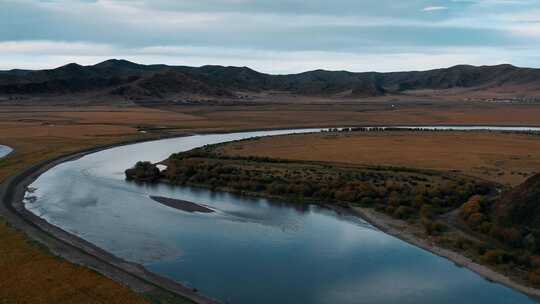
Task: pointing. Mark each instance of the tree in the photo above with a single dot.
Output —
(143, 172)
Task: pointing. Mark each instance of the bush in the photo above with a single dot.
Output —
(475, 219)
(462, 243)
(534, 277)
(277, 188)
(509, 236)
(426, 211)
(143, 172)
(472, 206)
(494, 257)
(433, 227)
(529, 242)
(485, 227)
(402, 212)
(535, 261)
(419, 200)
(366, 202)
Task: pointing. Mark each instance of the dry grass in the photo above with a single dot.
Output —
(504, 158)
(278, 115)
(28, 275)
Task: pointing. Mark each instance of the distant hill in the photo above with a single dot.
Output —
(133, 81)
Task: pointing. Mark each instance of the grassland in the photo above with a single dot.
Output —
(502, 158)
(29, 274)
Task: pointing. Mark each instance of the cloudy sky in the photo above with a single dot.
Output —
(276, 36)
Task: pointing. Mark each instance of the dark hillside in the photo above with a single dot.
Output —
(131, 80)
(520, 207)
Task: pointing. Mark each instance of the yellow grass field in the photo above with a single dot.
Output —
(28, 275)
(504, 158)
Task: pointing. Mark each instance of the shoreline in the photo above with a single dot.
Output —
(73, 248)
(9, 150)
(135, 276)
(384, 223)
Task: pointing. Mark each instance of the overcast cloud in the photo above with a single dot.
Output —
(277, 36)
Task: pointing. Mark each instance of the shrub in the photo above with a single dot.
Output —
(509, 236)
(473, 205)
(402, 212)
(535, 261)
(366, 202)
(277, 188)
(475, 219)
(494, 257)
(529, 242)
(419, 200)
(485, 227)
(462, 243)
(534, 277)
(426, 211)
(433, 227)
(345, 195)
(143, 172)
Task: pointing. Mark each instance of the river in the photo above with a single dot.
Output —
(250, 250)
(4, 150)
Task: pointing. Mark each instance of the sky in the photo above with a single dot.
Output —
(274, 36)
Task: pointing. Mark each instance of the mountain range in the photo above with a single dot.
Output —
(131, 81)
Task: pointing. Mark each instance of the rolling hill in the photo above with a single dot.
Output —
(131, 81)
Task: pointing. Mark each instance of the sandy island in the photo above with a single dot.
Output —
(181, 205)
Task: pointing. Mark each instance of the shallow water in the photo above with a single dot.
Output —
(250, 250)
(4, 150)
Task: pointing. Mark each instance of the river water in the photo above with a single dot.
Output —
(4, 150)
(250, 250)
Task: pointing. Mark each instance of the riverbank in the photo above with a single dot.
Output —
(77, 250)
(400, 230)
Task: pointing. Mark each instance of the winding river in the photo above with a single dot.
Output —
(4, 150)
(250, 250)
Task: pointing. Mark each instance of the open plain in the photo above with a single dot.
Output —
(500, 157)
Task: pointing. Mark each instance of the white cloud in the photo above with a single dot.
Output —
(434, 8)
(277, 35)
(50, 54)
(45, 47)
